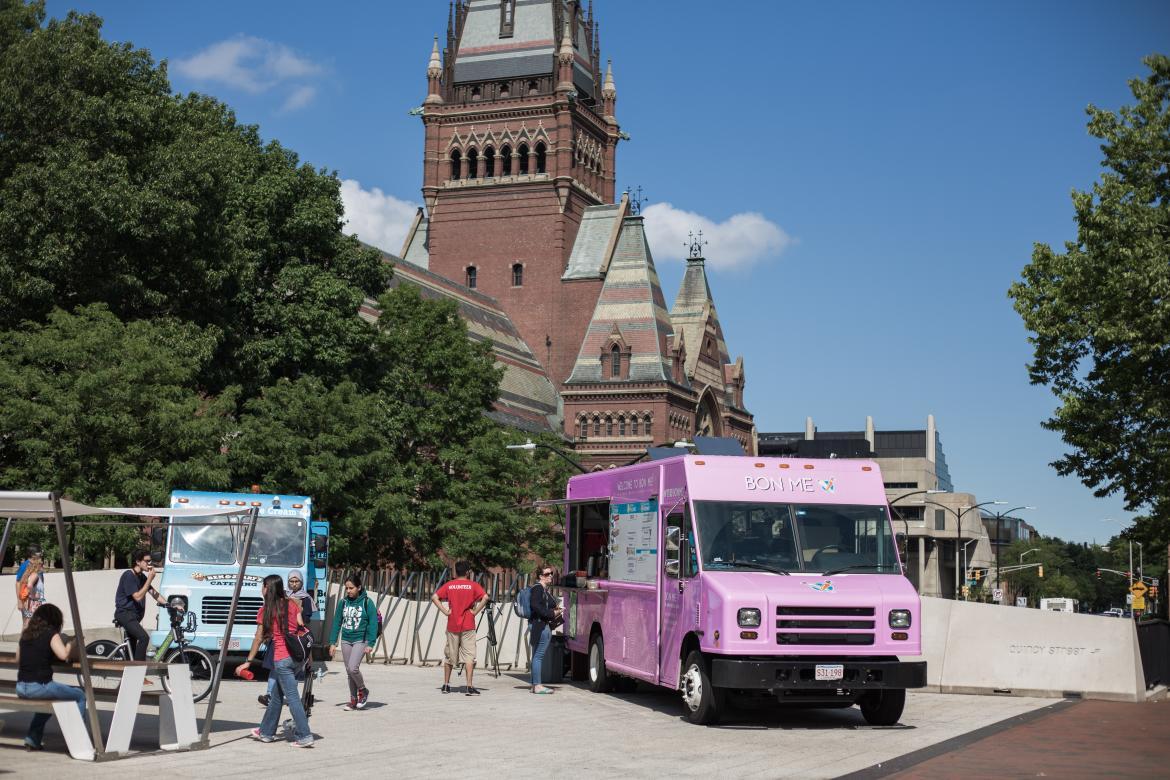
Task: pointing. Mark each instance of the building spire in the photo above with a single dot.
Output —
(609, 91)
(565, 57)
(434, 73)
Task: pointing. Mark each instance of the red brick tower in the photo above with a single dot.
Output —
(521, 139)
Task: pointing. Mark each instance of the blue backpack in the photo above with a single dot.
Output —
(522, 606)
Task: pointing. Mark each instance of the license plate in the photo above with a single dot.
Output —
(830, 672)
(234, 644)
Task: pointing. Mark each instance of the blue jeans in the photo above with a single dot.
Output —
(286, 687)
(539, 641)
(49, 690)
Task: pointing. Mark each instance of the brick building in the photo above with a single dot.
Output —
(520, 219)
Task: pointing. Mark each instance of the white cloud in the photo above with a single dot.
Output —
(738, 241)
(377, 218)
(254, 65)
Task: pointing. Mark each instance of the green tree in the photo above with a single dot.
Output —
(105, 412)
(1100, 311)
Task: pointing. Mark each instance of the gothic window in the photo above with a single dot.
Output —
(615, 361)
(472, 164)
(582, 428)
(540, 157)
(596, 426)
(622, 426)
(533, 87)
(476, 93)
(504, 89)
(608, 426)
(456, 165)
(507, 18)
(517, 274)
(646, 419)
(634, 425)
(506, 161)
(489, 162)
(523, 159)
(471, 274)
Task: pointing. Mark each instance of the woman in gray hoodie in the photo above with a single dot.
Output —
(357, 624)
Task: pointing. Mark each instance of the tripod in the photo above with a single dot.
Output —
(493, 653)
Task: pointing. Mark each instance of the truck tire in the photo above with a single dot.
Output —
(883, 708)
(600, 680)
(703, 703)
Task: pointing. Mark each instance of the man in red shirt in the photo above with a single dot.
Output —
(465, 599)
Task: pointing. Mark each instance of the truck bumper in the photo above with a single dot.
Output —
(800, 673)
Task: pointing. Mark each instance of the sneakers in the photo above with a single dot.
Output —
(472, 691)
(362, 697)
(353, 705)
(302, 744)
(256, 735)
(445, 689)
(263, 699)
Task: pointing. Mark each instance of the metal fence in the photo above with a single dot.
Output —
(1154, 641)
(413, 630)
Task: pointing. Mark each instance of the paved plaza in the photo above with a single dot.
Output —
(411, 730)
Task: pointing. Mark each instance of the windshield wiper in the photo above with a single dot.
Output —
(750, 565)
(861, 566)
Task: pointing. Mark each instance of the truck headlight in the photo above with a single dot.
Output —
(899, 618)
(749, 617)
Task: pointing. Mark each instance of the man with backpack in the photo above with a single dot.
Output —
(465, 599)
(357, 624)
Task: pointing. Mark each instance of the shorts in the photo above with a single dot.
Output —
(460, 647)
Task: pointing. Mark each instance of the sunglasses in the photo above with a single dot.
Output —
(546, 574)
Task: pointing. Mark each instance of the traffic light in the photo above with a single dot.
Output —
(965, 591)
(1040, 571)
(978, 574)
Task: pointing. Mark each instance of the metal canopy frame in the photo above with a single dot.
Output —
(38, 508)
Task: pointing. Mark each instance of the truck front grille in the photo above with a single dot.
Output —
(829, 625)
(215, 609)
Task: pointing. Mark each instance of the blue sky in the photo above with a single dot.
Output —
(872, 177)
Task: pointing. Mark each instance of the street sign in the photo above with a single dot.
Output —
(1138, 588)
(997, 595)
(1139, 602)
(1021, 601)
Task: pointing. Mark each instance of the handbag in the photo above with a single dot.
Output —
(299, 645)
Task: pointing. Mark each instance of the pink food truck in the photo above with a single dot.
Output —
(741, 579)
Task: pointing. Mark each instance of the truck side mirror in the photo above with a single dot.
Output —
(673, 547)
(320, 545)
(158, 538)
(900, 540)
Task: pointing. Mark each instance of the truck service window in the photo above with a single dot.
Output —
(794, 537)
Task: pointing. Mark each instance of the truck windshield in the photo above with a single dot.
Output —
(794, 537)
(279, 541)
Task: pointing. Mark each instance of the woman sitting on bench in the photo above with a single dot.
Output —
(40, 647)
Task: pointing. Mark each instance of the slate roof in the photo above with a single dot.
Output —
(416, 247)
(693, 306)
(483, 55)
(596, 239)
(528, 400)
(631, 303)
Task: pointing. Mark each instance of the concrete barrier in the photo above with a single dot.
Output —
(95, 594)
(986, 648)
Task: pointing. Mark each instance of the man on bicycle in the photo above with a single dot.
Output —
(130, 601)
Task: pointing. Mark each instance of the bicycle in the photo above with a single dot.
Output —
(175, 648)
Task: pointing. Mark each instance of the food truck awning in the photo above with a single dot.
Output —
(15, 503)
(568, 501)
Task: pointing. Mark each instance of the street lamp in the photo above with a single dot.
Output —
(906, 525)
(532, 445)
(1130, 572)
(1025, 552)
(959, 531)
(998, 534)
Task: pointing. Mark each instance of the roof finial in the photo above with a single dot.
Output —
(435, 66)
(609, 90)
(567, 42)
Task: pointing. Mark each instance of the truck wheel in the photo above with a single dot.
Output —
(883, 708)
(600, 680)
(703, 703)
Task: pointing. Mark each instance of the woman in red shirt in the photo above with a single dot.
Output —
(278, 616)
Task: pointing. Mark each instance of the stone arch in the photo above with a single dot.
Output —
(708, 420)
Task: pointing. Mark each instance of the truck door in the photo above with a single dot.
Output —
(680, 592)
(318, 568)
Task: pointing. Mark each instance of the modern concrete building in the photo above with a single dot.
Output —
(943, 529)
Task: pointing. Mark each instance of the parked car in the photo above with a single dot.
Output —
(1113, 612)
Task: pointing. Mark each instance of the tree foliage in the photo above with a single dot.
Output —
(1100, 311)
(179, 309)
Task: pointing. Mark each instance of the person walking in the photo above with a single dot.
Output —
(465, 598)
(545, 615)
(30, 584)
(130, 601)
(356, 624)
(279, 616)
(298, 594)
(40, 647)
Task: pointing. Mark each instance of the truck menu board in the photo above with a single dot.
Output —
(633, 541)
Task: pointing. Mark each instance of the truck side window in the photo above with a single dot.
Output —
(680, 558)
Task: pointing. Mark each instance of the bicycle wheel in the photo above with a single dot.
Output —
(104, 650)
(199, 663)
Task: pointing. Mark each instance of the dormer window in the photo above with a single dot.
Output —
(507, 18)
(504, 90)
(615, 361)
